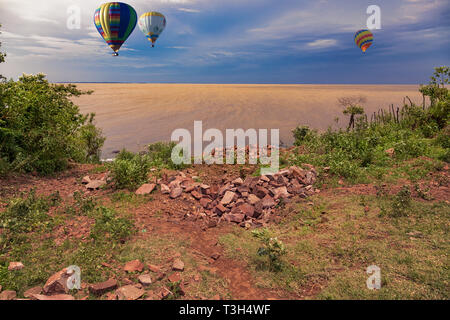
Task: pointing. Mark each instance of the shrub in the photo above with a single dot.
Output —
(272, 248)
(160, 155)
(26, 214)
(129, 171)
(108, 225)
(401, 204)
(41, 128)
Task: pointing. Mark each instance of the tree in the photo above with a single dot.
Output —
(353, 108)
(2, 56)
(436, 89)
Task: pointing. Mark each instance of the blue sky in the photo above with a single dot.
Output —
(233, 41)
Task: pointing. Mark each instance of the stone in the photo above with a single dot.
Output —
(57, 283)
(154, 268)
(134, 266)
(268, 202)
(390, 152)
(15, 266)
(252, 199)
(197, 195)
(178, 265)
(235, 217)
(247, 209)
(238, 182)
(174, 277)
(54, 297)
(281, 192)
(205, 202)
(227, 198)
(95, 184)
(176, 192)
(129, 292)
(165, 189)
(146, 189)
(261, 192)
(32, 291)
(215, 256)
(145, 279)
(8, 295)
(101, 288)
(86, 180)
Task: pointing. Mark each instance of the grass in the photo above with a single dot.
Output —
(333, 253)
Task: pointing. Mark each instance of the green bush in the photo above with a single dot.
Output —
(109, 226)
(272, 248)
(130, 171)
(41, 129)
(160, 155)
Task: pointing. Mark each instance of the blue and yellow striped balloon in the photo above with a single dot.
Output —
(115, 21)
(364, 39)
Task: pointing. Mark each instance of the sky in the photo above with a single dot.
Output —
(232, 41)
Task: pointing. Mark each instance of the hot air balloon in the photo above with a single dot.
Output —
(152, 24)
(115, 21)
(364, 39)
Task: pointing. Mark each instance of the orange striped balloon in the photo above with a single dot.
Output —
(364, 39)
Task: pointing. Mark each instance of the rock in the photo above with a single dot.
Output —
(252, 199)
(215, 256)
(268, 202)
(95, 184)
(197, 195)
(57, 283)
(8, 295)
(220, 209)
(32, 291)
(14, 266)
(134, 266)
(246, 209)
(281, 192)
(227, 198)
(178, 265)
(101, 288)
(145, 280)
(86, 180)
(154, 268)
(174, 277)
(238, 182)
(164, 293)
(165, 189)
(205, 202)
(261, 192)
(235, 217)
(54, 297)
(146, 189)
(390, 152)
(129, 292)
(176, 192)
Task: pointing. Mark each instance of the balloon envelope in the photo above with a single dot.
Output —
(152, 24)
(364, 39)
(115, 21)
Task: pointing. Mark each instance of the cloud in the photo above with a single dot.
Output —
(189, 10)
(322, 43)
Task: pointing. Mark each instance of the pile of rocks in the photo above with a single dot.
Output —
(244, 201)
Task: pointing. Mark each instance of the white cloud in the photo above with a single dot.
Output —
(322, 43)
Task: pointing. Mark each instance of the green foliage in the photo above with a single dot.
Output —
(356, 154)
(26, 214)
(273, 248)
(160, 155)
(40, 127)
(110, 226)
(129, 171)
(2, 56)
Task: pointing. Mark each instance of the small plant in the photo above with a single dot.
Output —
(109, 225)
(424, 194)
(176, 290)
(129, 171)
(272, 248)
(160, 155)
(84, 203)
(401, 204)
